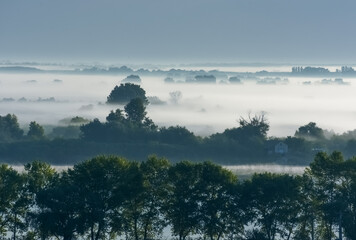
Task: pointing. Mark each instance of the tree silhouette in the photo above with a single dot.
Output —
(136, 110)
(125, 93)
(36, 131)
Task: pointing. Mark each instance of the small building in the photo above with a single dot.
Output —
(281, 148)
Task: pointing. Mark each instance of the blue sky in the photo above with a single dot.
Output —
(186, 31)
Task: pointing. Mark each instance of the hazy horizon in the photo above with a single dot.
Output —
(231, 35)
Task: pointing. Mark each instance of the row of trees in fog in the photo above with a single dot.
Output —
(129, 132)
(126, 130)
(109, 197)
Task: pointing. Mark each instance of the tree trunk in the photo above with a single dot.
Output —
(92, 232)
(98, 232)
(135, 229)
(14, 230)
(312, 229)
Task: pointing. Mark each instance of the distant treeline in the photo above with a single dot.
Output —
(196, 75)
(108, 197)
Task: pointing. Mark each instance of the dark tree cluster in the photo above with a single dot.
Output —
(10, 130)
(129, 132)
(310, 131)
(131, 124)
(108, 197)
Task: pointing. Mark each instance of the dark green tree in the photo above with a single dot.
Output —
(115, 117)
(325, 171)
(38, 176)
(182, 206)
(310, 131)
(36, 131)
(13, 202)
(10, 129)
(177, 135)
(251, 130)
(274, 204)
(143, 212)
(125, 93)
(348, 195)
(58, 209)
(94, 130)
(104, 185)
(216, 201)
(309, 208)
(136, 111)
(255, 126)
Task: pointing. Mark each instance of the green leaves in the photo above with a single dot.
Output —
(274, 203)
(108, 196)
(125, 93)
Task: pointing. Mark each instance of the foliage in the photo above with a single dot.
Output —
(116, 116)
(102, 184)
(310, 131)
(125, 93)
(58, 213)
(143, 212)
(182, 206)
(9, 129)
(65, 132)
(177, 135)
(123, 130)
(273, 204)
(13, 201)
(36, 131)
(135, 111)
(109, 197)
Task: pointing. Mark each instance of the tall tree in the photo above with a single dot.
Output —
(274, 204)
(10, 129)
(143, 212)
(58, 209)
(103, 188)
(325, 170)
(136, 111)
(348, 195)
(216, 200)
(35, 131)
(38, 176)
(182, 207)
(13, 202)
(309, 208)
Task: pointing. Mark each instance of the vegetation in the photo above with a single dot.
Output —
(130, 133)
(125, 93)
(107, 197)
(129, 129)
(9, 128)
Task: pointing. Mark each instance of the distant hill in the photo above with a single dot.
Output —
(19, 69)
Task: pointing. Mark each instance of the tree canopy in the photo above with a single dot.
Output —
(125, 93)
(9, 128)
(310, 131)
(109, 197)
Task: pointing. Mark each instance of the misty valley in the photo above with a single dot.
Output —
(116, 153)
(177, 120)
(233, 118)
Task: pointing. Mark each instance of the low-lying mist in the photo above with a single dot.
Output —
(202, 108)
(246, 170)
